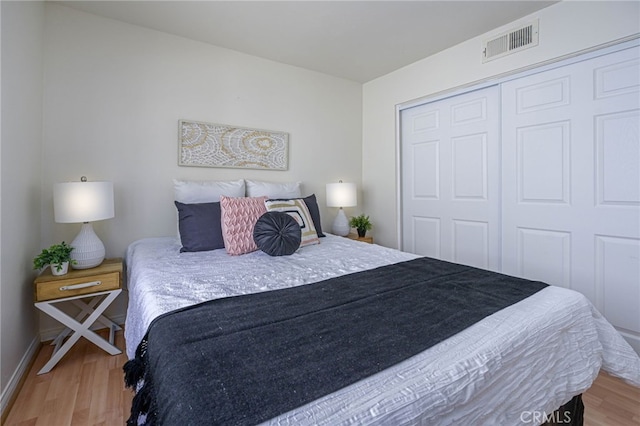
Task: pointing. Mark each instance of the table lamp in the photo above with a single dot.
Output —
(341, 195)
(84, 202)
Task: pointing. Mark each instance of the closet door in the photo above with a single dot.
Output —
(450, 152)
(571, 182)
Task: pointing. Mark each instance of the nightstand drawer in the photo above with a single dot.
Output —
(60, 288)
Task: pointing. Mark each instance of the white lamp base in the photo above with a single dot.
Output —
(88, 250)
(341, 224)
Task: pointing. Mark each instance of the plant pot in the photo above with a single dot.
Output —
(63, 268)
(362, 232)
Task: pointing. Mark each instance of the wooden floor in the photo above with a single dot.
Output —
(611, 402)
(86, 388)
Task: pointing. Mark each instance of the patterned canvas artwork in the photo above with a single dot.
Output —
(218, 145)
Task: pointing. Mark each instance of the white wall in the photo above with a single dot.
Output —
(20, 178)
(566, 27)
(113, 95)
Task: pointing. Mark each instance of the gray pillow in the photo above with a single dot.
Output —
(277, 234)
(312, 205)
(200, 226)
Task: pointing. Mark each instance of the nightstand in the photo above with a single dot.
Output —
(363, 239)
(92, 291)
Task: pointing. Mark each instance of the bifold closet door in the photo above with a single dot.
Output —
(571, 181)
(450, 154)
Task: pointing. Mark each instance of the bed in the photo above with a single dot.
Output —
(508, 368)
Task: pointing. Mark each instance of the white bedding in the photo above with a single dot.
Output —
(531, 357)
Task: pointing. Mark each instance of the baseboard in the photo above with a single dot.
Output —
(10, 392)
(51, 333)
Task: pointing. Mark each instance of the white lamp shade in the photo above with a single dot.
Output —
(75, 202)
(342, 194)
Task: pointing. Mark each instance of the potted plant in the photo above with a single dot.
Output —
(58, 256)
(361, 223)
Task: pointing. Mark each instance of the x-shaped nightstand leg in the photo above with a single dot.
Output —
(80, 329)
(85, 310)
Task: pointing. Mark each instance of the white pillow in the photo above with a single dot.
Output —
(256, 188)
(194, 191)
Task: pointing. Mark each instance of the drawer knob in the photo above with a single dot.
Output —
(79, 286)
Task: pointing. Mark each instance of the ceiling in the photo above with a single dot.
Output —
(355, 40)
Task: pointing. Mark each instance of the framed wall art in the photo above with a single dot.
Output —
(219, 145)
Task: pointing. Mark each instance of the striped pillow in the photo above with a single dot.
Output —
(299, 211)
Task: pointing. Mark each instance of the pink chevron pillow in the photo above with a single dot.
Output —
(239, 216)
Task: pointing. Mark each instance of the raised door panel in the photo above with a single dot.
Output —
(469, 167)
(546, 144)
(618, 159)
(544, 255)
(427, 233)
(618, 280)
(425, 180)
(470, 243)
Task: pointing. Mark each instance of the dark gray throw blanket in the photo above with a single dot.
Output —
(245, 359)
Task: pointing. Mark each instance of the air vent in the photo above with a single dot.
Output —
(510, 42)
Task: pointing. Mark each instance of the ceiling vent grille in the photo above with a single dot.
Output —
(510, 42)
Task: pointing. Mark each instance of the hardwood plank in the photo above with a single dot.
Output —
(87, 388)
